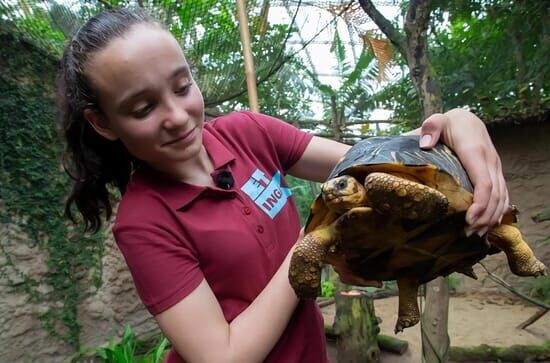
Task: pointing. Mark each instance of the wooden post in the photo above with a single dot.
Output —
(435, 337)
(356, 327)
(248, 59)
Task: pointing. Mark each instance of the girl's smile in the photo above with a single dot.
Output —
(183, 140)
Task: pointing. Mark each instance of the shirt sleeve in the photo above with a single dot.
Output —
(289, 141)
(164, 268)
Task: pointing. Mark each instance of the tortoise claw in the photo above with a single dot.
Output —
(404, 322)
(468, 271)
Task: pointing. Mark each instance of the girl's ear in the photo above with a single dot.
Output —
(99, 124)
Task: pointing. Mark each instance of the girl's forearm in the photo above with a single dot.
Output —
(254, 333)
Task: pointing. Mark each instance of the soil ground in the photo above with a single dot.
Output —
(474, 319)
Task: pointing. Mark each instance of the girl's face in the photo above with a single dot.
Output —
(147, 97)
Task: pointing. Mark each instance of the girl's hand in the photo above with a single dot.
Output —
(467, 135)
(348, 278)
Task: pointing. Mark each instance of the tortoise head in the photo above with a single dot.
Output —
(343, 193)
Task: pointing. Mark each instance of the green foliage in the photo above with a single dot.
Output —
(327, 288)
(351, 100)
(304, 192)
(127, 350)
(538, 288)
(491, 56)
(454, 280)
(122, 352)
(32, 192)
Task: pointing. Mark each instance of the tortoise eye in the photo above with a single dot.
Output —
(342, 184)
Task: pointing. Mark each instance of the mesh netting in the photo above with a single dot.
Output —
(281, 32)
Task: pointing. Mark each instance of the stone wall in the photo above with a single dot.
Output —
(525, 156)
(102, 315)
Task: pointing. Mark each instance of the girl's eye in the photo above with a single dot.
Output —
(143, 111)
(183, 90)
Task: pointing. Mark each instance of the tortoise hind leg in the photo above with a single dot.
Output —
(409, 314)
(305, 265)
(521, 259)
(389, 194)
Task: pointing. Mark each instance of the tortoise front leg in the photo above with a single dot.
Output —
(389, 194)
(409, 314)
(521, 259)
(306, 262)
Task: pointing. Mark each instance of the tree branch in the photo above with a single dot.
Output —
(393, 34)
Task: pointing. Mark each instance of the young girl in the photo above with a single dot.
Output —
(206, 222)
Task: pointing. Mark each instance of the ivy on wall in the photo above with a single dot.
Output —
(32, 189)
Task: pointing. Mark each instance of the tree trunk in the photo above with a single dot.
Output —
(356, 327)
(420, 68)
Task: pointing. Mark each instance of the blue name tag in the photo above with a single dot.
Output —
(269, 195)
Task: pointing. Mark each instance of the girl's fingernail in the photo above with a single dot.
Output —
(500, 220)
(482, 232)
(468, 232)
(425, 140)
(470, 219)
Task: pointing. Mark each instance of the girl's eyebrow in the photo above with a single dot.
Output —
(181, 70)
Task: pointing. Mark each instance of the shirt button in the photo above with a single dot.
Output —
(260, 229)
(247, 210)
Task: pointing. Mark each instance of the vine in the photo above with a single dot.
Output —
(33, 185)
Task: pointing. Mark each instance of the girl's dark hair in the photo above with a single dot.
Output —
(91, 161)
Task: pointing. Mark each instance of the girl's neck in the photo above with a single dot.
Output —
(196, 171)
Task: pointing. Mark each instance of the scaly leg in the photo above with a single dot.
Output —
(306, 262)
(521, 259)
(389, 194)
(409, 314)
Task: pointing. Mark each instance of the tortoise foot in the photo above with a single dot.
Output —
(304, 273)
(532, 267)
(304, 277)
(404, 322)
(389, 194)
(521, 259)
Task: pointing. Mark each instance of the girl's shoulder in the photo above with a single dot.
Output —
(244, 121)
(250, 125)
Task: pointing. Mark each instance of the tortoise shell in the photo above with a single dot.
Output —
(398, 155)
(377, 247)
(401, 152)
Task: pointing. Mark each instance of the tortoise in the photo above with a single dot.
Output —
(391, 211)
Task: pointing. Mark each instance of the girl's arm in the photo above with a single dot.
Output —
(197, 329)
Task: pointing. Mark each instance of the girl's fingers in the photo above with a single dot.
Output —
(431, 129)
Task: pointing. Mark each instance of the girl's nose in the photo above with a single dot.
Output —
(176, 114)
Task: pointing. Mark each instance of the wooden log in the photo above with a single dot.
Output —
(514, 353)
(385, 342)
(392, 344)
(356, 327)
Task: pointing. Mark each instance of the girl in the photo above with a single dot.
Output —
(206, 223)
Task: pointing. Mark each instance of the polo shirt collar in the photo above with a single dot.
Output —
(179, 194)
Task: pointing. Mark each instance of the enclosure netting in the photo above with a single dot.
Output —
(208, 31)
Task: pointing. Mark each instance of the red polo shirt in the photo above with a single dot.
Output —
(174, 234)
